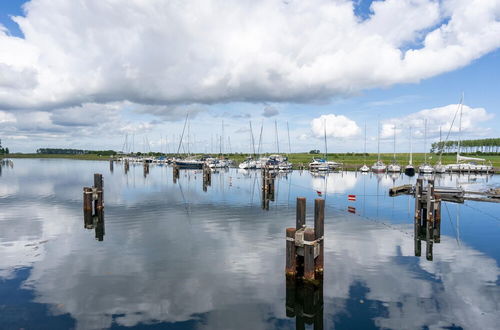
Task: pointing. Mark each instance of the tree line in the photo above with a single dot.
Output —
(59, 151)
(468, 146)
(3, 151)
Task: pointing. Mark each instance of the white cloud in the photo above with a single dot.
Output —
(436, 118)
(6, 117)
(336, 126)
(201, 51)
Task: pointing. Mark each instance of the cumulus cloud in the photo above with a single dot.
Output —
(200, 51)
(270, 111)
(439, 117)
(336, 126)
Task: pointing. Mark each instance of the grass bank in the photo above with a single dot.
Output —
(350, 161)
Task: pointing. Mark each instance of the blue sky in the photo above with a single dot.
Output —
(134, 110)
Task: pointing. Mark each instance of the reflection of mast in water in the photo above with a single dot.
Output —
(364, 195)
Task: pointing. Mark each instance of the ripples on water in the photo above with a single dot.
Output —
(173, 256)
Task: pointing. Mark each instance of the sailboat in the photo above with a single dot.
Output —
(467, 164)
(364, 168)
(410, 169)
(320, 164)
(188, 163)
(249, 162)
(379, 166)
(425, 168)
(394, 167)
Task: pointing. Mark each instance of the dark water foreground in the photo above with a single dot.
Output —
(174, 257)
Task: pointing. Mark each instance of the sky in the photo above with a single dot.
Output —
(123, 74)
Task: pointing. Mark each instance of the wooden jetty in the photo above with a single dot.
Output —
(449, 194)
(305, 245)
(93, 207)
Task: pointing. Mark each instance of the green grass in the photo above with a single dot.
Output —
(350, 161)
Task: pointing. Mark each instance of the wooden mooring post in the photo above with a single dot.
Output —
(93, 207)
(111, 165)
(146, 169)
(175, 173)
(427, 226)
(268, 179)
(304, 245)
(207, 177)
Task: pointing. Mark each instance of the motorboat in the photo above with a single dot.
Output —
(319, 164)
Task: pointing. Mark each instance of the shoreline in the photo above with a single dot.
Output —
(352, 162)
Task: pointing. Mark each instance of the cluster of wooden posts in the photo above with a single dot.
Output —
(305, 245)
(305, 266)
(207, 177)
(93, 207)
(268, 178)
(427, 217)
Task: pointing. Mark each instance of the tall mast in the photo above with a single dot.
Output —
(394, 156)
(460, 127)
(260, 137)
(182, 135)
(440, 145)
(277, 141)
(365, 144)
(289, 145)
(411, 150)
(425, 140)
(324, 130)
(222, 139)
(252, 139)
(378, 142)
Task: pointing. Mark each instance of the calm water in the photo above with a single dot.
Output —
(175, 257)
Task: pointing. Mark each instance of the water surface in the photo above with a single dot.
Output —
(172, 256)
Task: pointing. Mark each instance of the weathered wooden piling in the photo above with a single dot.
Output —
(87, 207)
(145, 169)
(98, 192)
(305, 245)
(207, 177)
(300, 214)
(291, 255)
(427, 224)
(267, 187)
(111, 165)
(319, 229)
(93, 207)
(309, 247)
